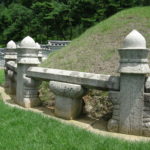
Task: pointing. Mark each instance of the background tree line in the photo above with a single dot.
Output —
(55, 19)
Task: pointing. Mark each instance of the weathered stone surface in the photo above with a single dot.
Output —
(146, 108)
(11, 82)
(10, 55)
(114, 97)
(68, 102)
(10, 51)
(11, 45)
(27, 88)
(146, 114)
(89, 80)
(112, 125)
(146, 132)
(136, 68)
(66, 89)
(28, 56)
(28, 43)
(133, 68)
(131, 103)
(146, 120)
(12, 66)
(147, 88)
(134, 40)
(134, 54)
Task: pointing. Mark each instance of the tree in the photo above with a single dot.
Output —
(15, 21)
(55, 19)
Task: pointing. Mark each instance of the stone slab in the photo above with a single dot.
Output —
(89, 80)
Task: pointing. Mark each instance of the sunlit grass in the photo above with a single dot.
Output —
(22, 130)
(96, 49)
(2, 76)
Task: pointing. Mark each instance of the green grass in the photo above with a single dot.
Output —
(2, 76)
(21, 130)
(96, 49)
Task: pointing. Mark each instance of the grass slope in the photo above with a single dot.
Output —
(96, 49)
(21, 130)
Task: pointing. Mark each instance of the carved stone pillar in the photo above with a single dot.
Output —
(27, 88)
(133, 70)
(68, 102)
(10, 55)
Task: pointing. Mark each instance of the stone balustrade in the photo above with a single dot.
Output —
(88, 80)
(129, 92)
(10, 56)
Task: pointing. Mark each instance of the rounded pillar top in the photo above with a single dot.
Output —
(134, 55)
(38, 45)
(134, 40)
(11, 45)
(28, 52)
(28, 42)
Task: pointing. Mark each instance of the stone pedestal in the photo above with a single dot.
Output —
(27, 88)
(68, 102)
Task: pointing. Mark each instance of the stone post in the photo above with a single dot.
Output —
(27, 88)
(40, 51)
(45, 54)
(11, 75)
(10, 55)
(133, 70)
(68, 102)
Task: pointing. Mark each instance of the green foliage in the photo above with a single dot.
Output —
(55, 19)
(15, 22)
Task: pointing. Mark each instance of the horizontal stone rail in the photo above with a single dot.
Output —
(12, 66)
(88, 80)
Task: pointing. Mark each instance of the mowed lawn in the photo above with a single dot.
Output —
(2, 77)
(25, 130)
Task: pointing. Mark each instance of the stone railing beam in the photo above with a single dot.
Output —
(88, 80)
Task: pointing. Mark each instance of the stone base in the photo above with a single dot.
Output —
(67, 108)
(11, 91)
(29, 102)
(7, 90)
(112, 125)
